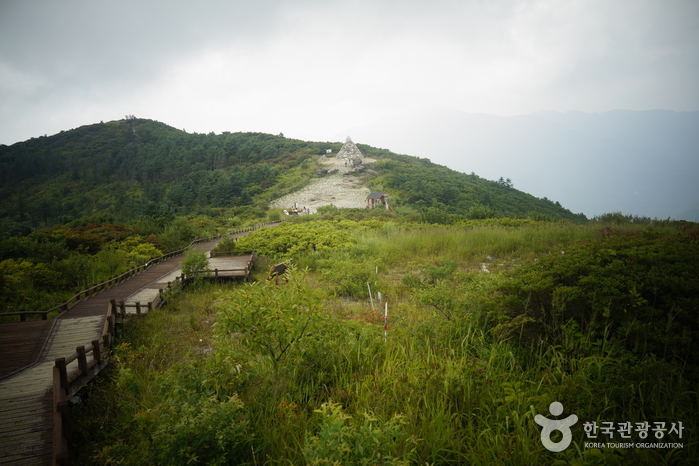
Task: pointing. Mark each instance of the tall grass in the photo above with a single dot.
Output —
(442, 389)
(474, 243)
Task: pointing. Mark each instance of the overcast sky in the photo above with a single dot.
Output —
(313, 68)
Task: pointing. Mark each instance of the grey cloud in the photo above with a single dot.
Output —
(503, 57)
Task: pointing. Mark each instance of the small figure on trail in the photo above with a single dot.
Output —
(278, 270)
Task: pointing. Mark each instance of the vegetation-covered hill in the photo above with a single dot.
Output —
(497, 309)
(141, 168)
(123, 170)
(437, 191)
(83, 205)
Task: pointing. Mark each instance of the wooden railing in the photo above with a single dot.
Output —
(66, 384)
(84, 294)
(229, 253)
(220, 273)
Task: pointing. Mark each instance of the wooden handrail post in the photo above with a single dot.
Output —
(122, 305)
(60, 421)
(96, 351)
(64, 409)
(110, 324)
(63, 373)
(138, 308)
(113, 306)
(150, 307)
(82, 360)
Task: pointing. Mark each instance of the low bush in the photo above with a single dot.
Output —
(639, 286)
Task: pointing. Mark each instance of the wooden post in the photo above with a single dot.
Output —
(96, 351)
(216, 273)
(150, 307)
(113, 306)
(63, 374)
(82, 360)
(64, 409)
(122, 305)
(138, 308)
(110, 324)
(60, 420)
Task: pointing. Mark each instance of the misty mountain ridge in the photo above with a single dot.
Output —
(637, 162)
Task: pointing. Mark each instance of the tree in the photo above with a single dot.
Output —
(195, 264)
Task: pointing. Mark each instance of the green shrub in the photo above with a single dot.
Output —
(194, 263)
(363, 440)
(289, 239)
(226, 245)
(203, 430)
(274, 216)
(641, 286)
(271, 318)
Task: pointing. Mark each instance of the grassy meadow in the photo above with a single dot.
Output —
(489, 323)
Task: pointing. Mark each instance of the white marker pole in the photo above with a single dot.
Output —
(385, 322)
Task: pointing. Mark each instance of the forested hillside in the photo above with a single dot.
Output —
(83, 205)
(437, 190)
(137, 168)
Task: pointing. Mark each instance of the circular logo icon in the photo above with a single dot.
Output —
(562, 425)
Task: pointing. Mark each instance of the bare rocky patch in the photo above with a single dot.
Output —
(339, 183)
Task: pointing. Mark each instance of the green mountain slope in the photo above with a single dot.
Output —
(129, 168)
(435, 189)
(123, 170)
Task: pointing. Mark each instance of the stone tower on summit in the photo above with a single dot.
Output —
(350, 151)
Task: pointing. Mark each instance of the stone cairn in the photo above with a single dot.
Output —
(351, 152)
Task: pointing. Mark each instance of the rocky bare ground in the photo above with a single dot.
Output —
(339, 188)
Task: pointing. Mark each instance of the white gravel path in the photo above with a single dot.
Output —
(337, 189)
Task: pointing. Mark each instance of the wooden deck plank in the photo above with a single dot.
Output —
(31, 440)
(21, 343)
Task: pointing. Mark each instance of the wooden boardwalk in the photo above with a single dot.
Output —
(28, 351)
